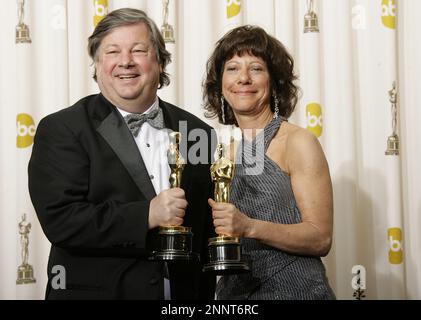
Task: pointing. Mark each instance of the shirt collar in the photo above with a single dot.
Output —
(155, 105)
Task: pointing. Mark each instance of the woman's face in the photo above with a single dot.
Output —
(246, 84)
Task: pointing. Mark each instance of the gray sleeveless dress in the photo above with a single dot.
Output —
(263, 191)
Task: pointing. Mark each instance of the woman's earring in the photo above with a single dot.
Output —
(276, 109)
(223, 109)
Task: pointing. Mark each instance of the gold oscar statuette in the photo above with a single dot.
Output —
(167, 30)
(22, 30)
(224, 250)
(393, 139)
(175, 242)
(25, 270)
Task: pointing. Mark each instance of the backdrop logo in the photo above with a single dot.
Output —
(25, 130)
(58, 17)
(100, 9)
(359, 17)
(314, 119)
(233, 8)
(389, 13)
(395, 243)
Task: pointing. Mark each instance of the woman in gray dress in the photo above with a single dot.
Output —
(281, 194)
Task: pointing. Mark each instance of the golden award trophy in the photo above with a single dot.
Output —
(175, 242)
(25, 270)
(224, 250)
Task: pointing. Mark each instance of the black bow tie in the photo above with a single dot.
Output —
(154, 118)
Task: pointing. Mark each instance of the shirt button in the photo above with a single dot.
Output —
(148, 145)
(152, 176)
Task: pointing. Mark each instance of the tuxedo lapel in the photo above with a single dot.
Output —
(120, 139)
(170, 118)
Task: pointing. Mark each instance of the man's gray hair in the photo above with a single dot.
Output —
(124, 17)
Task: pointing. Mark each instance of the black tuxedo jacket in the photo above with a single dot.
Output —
(91, 192)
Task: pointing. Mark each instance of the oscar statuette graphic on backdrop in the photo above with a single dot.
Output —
(393, 139)
(22, 30)
(311, 21)
(25, 270)
(167, 30)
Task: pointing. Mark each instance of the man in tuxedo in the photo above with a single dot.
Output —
(98, 176)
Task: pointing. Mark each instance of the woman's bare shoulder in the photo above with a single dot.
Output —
(296, 137)
(302, 148)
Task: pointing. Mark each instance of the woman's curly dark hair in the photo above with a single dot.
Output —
(255, 41)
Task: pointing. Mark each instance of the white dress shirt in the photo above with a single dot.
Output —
(153, 146)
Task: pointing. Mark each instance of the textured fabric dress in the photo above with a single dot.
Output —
(263, 191)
